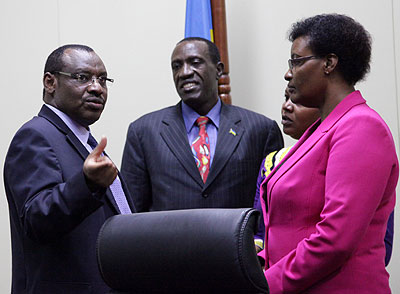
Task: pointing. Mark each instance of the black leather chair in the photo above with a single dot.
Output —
(181, 251)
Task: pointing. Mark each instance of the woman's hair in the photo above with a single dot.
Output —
(341, 35)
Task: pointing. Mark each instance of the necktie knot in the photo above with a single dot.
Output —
(201, 121)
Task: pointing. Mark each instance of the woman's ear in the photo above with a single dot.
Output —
(331, 61)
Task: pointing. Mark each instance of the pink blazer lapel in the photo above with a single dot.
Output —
(313, 134)
(305, 143)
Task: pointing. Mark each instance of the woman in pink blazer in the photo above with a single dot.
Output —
(329, 200)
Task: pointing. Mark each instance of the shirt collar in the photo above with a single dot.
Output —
(79, 131)
(190, 116)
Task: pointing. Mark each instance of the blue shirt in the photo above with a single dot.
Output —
(79, 131)
(82, 134)
(190, 116)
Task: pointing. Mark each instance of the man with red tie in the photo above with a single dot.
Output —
(201, 152)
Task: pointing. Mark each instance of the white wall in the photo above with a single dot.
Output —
(135, 39)
(394, 266)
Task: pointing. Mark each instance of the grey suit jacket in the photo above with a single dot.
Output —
(160, 171)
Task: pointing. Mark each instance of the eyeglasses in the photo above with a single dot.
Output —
(298, 61)
(87, 79)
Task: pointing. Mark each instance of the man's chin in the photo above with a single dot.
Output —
(190, 99)
(89, 120)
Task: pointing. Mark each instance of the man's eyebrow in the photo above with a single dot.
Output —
(196, 57)
(86, 70)
(176, 59)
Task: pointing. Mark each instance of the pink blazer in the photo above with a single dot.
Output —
(329, 203)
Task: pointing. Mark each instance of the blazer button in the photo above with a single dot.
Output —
(204, 194)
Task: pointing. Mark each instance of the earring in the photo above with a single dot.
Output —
(327, 72)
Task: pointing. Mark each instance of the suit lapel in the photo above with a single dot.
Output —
(229, 135)
(70, 136)
(311, 137)
(77, 144)
(301, 148)
(173, 132)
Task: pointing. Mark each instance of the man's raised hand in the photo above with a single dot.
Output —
(99, 169)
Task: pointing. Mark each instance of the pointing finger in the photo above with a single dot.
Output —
(100, 147)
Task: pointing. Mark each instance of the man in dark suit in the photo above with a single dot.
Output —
(163, 167)
(59, 190)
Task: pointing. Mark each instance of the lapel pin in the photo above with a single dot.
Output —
(232, 132)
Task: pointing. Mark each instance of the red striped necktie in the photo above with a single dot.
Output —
(201, 148)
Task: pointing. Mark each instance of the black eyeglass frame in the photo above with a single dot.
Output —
(77, 76)
(293, 62)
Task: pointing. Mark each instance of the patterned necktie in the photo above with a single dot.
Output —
(201, 148)
(115, 187)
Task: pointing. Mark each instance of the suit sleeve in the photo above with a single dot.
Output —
(48, 205)
(134, 171)
(360, 168)
(273, 142)
(257, 204)
(389, 238)
(274, 139)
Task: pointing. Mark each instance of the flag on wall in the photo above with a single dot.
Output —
(198, 19)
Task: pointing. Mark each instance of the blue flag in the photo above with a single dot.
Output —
(199, 19)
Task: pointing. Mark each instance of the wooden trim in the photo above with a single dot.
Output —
(220, 38)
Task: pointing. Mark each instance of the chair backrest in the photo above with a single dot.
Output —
(182, 251)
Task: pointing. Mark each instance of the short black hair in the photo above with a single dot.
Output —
(54, 61)
(212, 48)
(341, 35)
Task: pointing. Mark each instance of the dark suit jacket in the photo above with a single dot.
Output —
(160, 171)
(54, 217)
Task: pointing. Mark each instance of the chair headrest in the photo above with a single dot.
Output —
(182, 251)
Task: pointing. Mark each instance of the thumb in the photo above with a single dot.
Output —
(100, 147)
